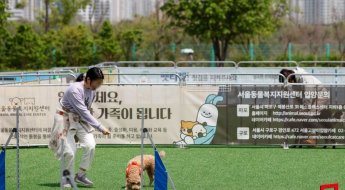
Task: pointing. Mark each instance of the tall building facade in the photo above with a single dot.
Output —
(317, 11)
(98, 10)
(117, 10)
(30, 11)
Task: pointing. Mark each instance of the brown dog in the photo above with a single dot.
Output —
(133, 174)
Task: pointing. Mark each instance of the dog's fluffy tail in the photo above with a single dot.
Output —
(162, 154)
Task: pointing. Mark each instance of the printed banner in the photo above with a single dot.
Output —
(218, 75)
(277, 114)
(117, 107)
(199, 114)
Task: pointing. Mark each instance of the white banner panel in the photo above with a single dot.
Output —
(117, 107)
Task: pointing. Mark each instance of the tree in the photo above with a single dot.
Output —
(69, 8)
(315, 35)
(4, 35)
(288, 33)
(3, 13)
(108, 48)
(157, 37)
(62, 12)
(53, 49)
(159, 34)
(95, 20)
(25, 49)
(21, 4)
(128, 37)
(4, 38)
(340, 37)
(46, 19)
(222, 21)
(77, 44)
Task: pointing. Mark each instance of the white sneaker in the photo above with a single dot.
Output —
(66, 184)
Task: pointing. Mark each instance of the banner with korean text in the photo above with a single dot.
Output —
(189, 114)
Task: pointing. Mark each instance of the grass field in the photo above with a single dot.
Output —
(195, 168)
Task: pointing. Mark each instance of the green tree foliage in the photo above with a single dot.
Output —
(61, 12)
(128, 36)
(69, 8)
(25, 49)
(53, 49)
(3, 13)
(76, 46)
(4, 35)
(158, 36)
(223, 21)
(108, 48)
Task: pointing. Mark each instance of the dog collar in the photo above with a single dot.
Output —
(133, 164)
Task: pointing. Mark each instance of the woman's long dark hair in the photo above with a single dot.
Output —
(80, 77)
(93, 73)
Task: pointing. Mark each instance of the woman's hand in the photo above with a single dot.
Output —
(106, 131)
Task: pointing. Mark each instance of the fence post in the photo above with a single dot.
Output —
(134, 50)
(251, 51)
(54, 59)
(328, 51)
(290, 51)
(173, 50)
(213, 64)
(94, 51)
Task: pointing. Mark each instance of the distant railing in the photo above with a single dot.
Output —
(268, 63)
(144, 79)
(206, 63)
(36, 79)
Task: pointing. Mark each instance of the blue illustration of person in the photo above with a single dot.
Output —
(208, 117)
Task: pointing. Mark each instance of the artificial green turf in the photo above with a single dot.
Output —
(194, 168)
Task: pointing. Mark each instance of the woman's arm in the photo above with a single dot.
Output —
(79, 106)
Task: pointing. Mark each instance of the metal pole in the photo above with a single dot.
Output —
(154, 146)
(171, 181)
(148, 135)
(62, 164)
(14, 130)
(142, 148)
(17, 137)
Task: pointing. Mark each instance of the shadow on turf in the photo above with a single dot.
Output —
(124, 187)
(55, 185)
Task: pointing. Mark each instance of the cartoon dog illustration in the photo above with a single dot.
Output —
(208, 117)
(186, 127)
(186, 132)
(198, 131)
(204, 129)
